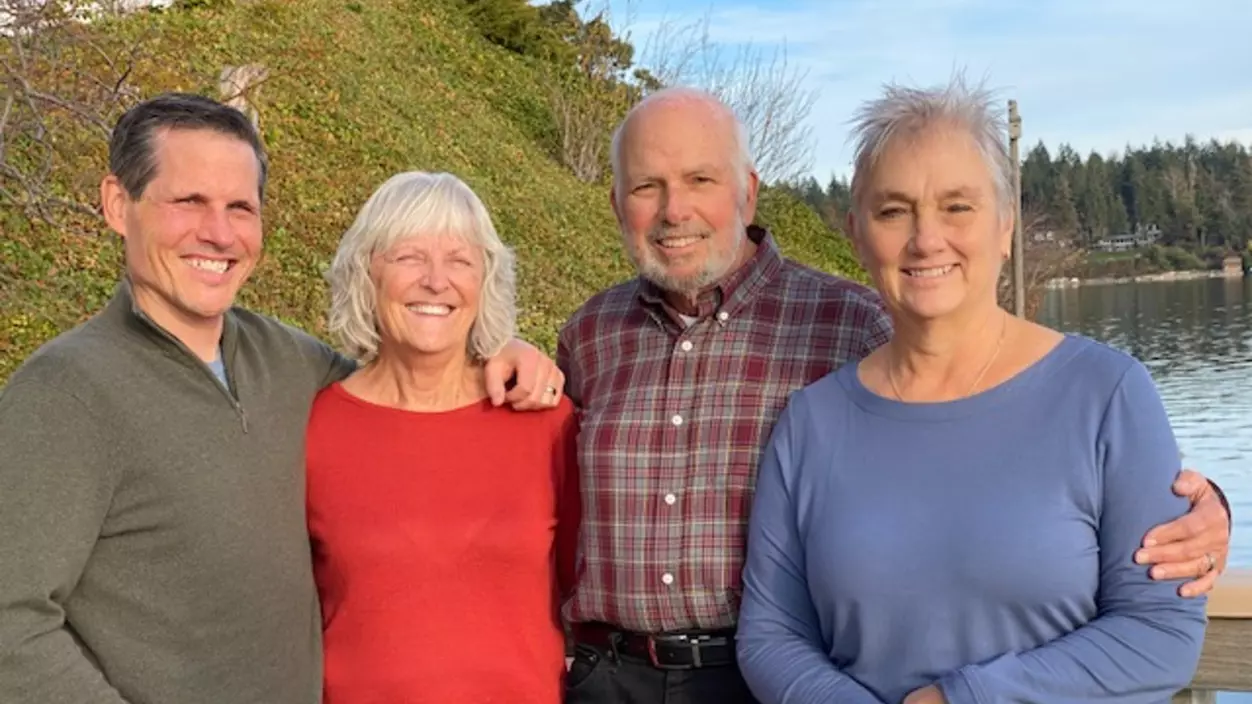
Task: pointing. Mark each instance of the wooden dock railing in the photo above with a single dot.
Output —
(1226, 661)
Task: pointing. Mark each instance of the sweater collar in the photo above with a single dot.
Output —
(124, 311)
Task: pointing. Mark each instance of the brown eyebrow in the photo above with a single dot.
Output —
(201, 199)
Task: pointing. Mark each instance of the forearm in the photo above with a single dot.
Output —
(1124, 658)
(783, 669)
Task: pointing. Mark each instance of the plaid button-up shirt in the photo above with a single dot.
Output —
(674, 420)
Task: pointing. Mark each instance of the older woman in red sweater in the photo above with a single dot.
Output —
(443, 528)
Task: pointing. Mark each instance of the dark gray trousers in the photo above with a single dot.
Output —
(598, 677)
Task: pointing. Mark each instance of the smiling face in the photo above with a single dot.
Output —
(194, 235)
(428, 291)
(683, 200)
(929, 227)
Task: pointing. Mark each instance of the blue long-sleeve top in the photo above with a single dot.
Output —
(985, 544)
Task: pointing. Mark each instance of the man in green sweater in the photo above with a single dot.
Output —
(152, 462)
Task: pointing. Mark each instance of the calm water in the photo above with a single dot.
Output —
(1196, 337)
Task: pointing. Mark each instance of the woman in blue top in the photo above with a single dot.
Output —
(954, 518)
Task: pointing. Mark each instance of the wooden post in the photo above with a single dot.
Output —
(1019, 245)
(239, 85)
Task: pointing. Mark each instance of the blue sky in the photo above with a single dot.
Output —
(1097, 74)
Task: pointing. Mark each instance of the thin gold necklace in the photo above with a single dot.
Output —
(891, 377)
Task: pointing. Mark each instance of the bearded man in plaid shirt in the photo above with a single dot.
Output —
(680, 374)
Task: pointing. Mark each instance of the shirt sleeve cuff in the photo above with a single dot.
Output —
(958, 689)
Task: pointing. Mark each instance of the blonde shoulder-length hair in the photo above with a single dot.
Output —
(417, 204)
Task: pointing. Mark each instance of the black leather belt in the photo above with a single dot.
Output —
(684, 650)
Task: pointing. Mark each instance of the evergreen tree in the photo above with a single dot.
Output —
(1063, 211)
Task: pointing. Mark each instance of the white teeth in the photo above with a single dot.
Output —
(929, 272)
(430, 309)
(215, 265)
(677, 242)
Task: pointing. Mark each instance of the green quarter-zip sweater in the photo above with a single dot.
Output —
(153, 544)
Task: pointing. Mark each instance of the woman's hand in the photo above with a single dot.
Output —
(926, 695)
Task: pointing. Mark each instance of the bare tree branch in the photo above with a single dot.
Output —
(588, 98)
(770, 96)
(1048, 254)
(64, 82)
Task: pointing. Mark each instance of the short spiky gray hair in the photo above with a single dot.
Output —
(416, 204)
(906, 112)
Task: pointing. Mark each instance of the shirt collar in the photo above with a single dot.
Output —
(728, 296)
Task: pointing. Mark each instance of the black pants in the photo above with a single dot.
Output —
(597, 677)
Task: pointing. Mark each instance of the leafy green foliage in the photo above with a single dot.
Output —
(517, 26)
(802, 235)
(357, 92)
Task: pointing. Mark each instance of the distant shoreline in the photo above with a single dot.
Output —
(1184, 275)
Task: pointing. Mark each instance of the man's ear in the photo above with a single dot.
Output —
(751, 191)
(113, 202)
(613, 202)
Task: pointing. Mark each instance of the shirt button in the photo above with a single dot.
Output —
(667, 578)
(676, 420)
(723, 316)
(670, 499)
(686, 345)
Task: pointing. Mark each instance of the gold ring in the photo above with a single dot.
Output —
(1212, 563)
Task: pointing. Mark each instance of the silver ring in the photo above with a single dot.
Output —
(1212, 563)
(552, 390)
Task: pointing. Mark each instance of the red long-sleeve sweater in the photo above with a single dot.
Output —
(441, 545)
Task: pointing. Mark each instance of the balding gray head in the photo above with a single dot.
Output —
(684, 95)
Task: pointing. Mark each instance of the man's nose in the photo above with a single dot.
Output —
(217, 230)
(677, 206)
